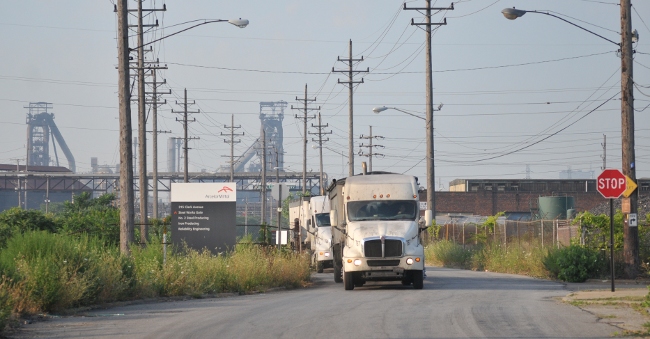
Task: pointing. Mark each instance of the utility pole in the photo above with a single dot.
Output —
(232, 143)
(154, 105)
(370, 148)
(350, 84)
(604, 156)
(431, 180)
(142, 121)
(18, 183)
(47, 194)
(126, 156)
(263, 176)
(304, 119)
(320, 141)
(630, 233)
(277, 180)
(185, 137)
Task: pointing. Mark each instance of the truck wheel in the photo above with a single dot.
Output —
(337, 273)
(319, 267)
(418, 279)
(348, 281)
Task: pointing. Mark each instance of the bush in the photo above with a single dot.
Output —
(6, 304)
(17, 220)
(54, 271)
(448, 254)
(574, 263)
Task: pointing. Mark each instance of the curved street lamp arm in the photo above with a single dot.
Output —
(181, 31)
(569, 22)
(383, 108)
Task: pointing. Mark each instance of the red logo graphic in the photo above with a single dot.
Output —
(225, 189)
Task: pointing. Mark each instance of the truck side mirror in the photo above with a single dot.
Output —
(426, 221)
(334, 218)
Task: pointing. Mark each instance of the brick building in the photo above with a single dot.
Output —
(490, 196)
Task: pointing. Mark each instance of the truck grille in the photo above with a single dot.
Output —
(375, 263)
(392, 248)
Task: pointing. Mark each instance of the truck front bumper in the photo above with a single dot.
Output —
(387, 265)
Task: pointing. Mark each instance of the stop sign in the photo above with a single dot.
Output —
(611, 183)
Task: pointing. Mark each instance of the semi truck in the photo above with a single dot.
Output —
(320, 232)
(376, 227)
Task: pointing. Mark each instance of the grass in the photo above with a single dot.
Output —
(43, 272)
(526, 259)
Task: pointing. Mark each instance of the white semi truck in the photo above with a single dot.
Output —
(320, 232)
(376, 228)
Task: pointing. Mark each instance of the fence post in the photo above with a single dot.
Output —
(463, 234)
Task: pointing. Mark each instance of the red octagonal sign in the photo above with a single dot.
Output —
(611, 183)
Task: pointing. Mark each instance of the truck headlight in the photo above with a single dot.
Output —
(409, 261)
(327, 254)
(357, 262)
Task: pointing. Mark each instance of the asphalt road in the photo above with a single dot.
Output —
(453, 304)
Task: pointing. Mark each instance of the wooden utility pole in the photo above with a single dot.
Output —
(154, 123)
(320, 141)
(350, 84)
(263, 188)
(304, 119)
(232, 143)
(630, 233)
(431, 178)
(126, 156)
(370, 148)
(185, 137)
(142, 124)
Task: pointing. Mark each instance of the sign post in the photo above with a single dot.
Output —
(611, 183)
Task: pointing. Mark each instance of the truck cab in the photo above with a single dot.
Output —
(376, 228)
(321, 232)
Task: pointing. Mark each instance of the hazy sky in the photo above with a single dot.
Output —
(533, 92)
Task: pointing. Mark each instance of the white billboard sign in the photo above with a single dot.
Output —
(204, 192)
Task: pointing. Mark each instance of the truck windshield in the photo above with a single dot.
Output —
(382, 210)
(323, 219)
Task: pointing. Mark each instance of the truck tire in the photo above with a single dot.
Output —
(319, 267)
(348, 281)
(337, 273)
(418, 279)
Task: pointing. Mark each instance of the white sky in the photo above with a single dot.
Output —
(504, 84)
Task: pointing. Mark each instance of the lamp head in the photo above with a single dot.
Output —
(379, 109)
(512, 13)
(241, 23)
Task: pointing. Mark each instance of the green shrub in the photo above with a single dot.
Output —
(55, 271)
(6, 304)
(550, 262)
(575, 263)
(92, 216)
(448, 254)
(17, 220)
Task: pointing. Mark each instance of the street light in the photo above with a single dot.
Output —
(630, 234)
(431, 184)
(383, 108)
(125, 138)
(513, 13)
